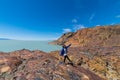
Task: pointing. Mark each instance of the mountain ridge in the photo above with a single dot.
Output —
(100, 35)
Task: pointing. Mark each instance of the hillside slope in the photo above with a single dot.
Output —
(102, 36)
(37, 65)
(96, 49)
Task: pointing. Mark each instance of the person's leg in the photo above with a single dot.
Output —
(65, 58)
(68, 58)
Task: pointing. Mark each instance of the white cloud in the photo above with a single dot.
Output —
(67, 30)
(112, 23)
(78, 26)
(74, 21)
(91, 17)
(98, 25)
(75, 28)
(118, 16)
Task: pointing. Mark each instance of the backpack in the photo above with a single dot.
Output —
(62, 52)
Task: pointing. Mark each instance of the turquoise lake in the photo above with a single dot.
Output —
(12, 45)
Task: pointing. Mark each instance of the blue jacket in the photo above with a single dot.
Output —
(62, 52)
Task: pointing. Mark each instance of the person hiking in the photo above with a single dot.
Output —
(64, 52)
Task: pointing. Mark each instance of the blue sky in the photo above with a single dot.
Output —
(49, 19)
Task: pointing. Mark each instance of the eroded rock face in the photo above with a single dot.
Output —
(41, 66)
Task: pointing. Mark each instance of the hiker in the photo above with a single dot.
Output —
(64, 52)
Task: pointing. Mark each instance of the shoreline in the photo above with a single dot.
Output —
(13, 45)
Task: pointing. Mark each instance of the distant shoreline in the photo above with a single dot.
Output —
(13, 45)
(4, 39)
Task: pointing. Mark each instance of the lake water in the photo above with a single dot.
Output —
(12, 45)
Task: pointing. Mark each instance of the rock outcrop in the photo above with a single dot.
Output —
(63, 39)
(37, 65)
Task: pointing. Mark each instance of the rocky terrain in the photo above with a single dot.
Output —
(37, 65)
(95, 53)
(96, 49)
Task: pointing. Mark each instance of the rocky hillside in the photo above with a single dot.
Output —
(37, 65)
(96, 49)
(102, 36)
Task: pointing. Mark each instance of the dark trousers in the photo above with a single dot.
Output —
(66, 57)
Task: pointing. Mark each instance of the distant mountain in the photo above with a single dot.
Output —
(4, 39)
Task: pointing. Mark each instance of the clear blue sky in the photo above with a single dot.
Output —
(48, 19)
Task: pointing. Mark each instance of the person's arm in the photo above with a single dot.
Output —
(68, 46)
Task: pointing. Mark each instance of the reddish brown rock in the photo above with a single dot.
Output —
(63, 38)
(42, 66)
(102, 36)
